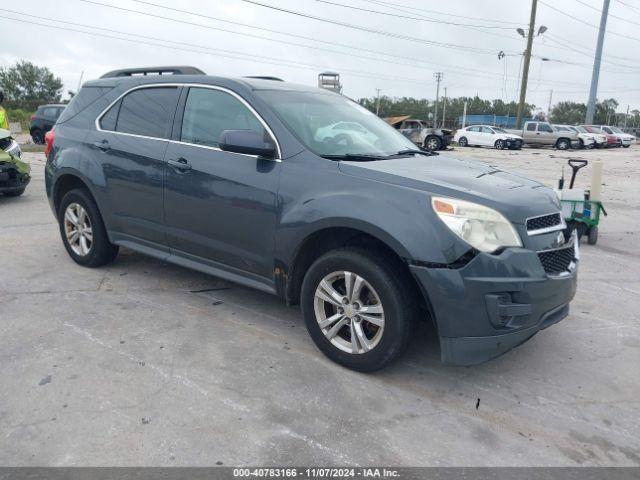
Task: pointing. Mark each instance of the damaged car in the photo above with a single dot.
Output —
(420, 133)
(14, 172)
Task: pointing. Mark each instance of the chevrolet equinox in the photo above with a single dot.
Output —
(303, 193)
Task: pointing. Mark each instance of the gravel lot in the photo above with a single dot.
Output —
(136, 364)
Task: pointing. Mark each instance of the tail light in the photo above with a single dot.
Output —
(48, 140)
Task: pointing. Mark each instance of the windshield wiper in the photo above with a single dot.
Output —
(355, 157)
(417, 152)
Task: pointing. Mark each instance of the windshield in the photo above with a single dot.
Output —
(333, 125)
(616, 129)
(499, 130)
(579, 129)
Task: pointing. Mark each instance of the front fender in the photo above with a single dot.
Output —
(399, 217)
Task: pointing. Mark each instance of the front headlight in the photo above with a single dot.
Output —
(481, 227)
(14, 149)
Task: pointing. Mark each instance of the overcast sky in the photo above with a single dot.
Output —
(400, 59)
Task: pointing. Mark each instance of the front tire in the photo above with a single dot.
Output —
(592, 239)
(499, 144)
(432, 143)
(626, 146)
(358, 307)
(463, 142)
(82, 229)
(563, 144)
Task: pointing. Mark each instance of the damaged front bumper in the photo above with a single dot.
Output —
(496, 302)
(14, 174)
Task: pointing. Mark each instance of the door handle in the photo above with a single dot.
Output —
(181, 164)
(102, 145)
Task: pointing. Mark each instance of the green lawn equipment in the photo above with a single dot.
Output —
(582, 208)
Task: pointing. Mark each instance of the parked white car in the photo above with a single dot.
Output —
(599, 138)
(624, 139)
(585, 139)
(487, 136)
(627, 138)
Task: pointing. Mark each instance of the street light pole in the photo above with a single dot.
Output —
(527, 61)
(593, 91)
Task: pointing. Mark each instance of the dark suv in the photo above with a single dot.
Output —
(42, 121)
(246, 179)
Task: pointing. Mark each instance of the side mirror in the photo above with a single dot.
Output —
(248, 142)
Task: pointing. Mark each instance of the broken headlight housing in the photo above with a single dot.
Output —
(482, 227)
(12, 147)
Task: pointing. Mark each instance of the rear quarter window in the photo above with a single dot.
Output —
(85, 97)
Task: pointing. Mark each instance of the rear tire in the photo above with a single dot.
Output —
(581, 143)
(626, 146)
(593, 235)
(383, 289)
(432, 143)
(83, 232)
(37, 136)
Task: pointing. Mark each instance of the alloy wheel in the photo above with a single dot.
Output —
(433, 144)
(349, 312)
(77, 227)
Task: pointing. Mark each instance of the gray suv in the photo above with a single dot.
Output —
(246, 179)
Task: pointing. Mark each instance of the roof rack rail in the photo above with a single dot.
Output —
(172, 70)
(260, 77)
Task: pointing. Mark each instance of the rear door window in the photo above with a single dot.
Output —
(147, 112)
(208, 112)
(50, 113)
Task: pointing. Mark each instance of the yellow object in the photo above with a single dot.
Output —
(4, 121)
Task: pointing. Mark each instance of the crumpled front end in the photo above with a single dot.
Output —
(495, 302)
(14, 172)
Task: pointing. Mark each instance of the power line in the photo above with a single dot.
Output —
(200, 49)
(631, 7)
(422, 19)
(611, 14)
(629, 37)
(351, 47)
(435, 12)
(371, 30)
(454, 69)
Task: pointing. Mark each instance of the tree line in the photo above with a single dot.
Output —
(566, 112)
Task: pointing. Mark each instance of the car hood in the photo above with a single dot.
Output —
(516, 197)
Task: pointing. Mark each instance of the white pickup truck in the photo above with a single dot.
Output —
(541, 133)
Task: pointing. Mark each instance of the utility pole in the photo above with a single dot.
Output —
(549, 109)
(626, 116)
(527, 61)
(444, 106)
(593, 91)
(438, 76)
(464, 114)
(377, 101)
